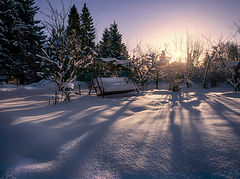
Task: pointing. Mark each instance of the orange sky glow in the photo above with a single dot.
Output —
(157, 23)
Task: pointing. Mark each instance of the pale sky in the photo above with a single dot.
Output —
(156, 22)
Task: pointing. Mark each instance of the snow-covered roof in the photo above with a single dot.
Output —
(116, 84)
(69, 86)
(116, 61)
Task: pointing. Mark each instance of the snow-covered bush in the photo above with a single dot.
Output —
(175, 85)
(141, 68)
(176, 76)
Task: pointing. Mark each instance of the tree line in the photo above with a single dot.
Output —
(70, 50)
(28, 55)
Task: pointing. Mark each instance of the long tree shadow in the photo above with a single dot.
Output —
(188, 153)
(84, 124)
(195, 149)
(97, 134)
(31, 143)
(223, 112)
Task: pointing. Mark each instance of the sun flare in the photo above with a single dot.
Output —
(178, 54)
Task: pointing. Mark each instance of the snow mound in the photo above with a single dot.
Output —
(7, 87)
(42, 84)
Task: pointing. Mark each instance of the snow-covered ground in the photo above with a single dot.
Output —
(156, 134)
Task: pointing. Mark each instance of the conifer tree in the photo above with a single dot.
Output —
(105, 44)
(20, 38)
(87, 30)
(111, 44)
(73, 21)
(116, 41)
(87, 37)
(11, 24)
(34, 38)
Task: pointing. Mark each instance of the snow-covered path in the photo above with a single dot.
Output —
(157, 134)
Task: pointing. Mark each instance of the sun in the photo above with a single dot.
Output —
(178, 55)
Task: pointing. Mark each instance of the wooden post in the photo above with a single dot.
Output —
(90, 87)
(79, 89)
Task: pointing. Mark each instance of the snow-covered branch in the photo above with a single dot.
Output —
(62, 53)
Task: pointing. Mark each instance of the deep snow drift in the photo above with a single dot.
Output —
(156, 134)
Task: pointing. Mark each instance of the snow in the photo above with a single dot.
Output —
(69, 86)
(116, 61)
(40, 85)
(43, 84)
(156, 134)
(116, 84)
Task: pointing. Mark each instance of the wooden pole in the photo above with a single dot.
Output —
(79, 89)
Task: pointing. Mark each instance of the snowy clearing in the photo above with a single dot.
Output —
(156, 134)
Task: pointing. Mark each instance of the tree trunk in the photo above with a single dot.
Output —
(206, 71)
(205, 76)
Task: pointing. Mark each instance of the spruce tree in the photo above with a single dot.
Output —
(87, 37)
(111, 44)
(73, 21)
(10, 25)
(105, 44)
(116, 41)
(20, 38)
(87, 30)
(34, 38)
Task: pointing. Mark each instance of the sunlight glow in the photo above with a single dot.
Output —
(178, 55)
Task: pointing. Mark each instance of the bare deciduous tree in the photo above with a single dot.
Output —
(146, 65)
(63, 53)
(226, 54)
(217, 50)
(194, 51)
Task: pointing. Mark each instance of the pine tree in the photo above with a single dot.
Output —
(116, 41)
(34, 38)
(73, 21)
(20, 38)
(11, 25)
(105, 44)
(111, 44)
(87, 37)
(87, 30)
